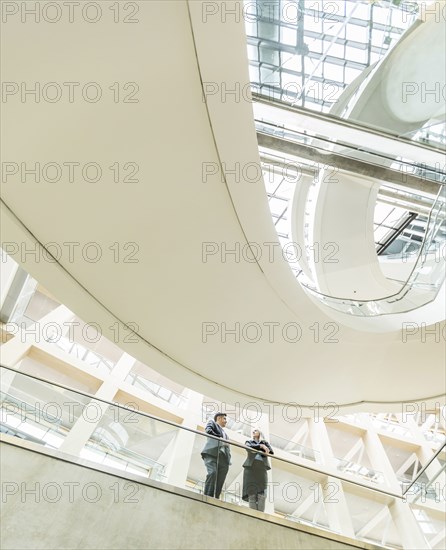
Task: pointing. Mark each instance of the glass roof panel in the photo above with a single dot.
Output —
(311, 51)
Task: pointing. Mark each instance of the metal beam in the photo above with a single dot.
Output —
(385, 175)
(340, 131)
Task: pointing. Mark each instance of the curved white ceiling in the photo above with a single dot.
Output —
(170, 292)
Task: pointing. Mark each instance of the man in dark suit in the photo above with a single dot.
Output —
(216, 456)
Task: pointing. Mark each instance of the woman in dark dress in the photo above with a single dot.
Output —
(254, 471)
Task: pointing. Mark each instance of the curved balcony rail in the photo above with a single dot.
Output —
(424, 280)
(358, 470)
(295, 449)
(427, 262)
(422, 285)
(131, 441)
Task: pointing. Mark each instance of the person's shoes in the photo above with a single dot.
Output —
(252, 500)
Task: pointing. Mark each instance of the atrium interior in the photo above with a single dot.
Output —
(232, 207)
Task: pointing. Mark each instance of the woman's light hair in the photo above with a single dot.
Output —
(260, 432)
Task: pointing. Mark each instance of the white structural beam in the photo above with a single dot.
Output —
(383, 514)
(179, 455)
(84, 427)
(407, 526)
(438, 539)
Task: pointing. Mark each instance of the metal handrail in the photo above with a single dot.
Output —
(350, 152)
(345, 123)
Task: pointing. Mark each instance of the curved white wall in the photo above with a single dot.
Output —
(170, 292)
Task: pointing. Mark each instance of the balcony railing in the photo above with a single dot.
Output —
(141, 444)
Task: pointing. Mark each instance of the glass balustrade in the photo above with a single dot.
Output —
(368, 474)
(422, 489)
(428, 491)
(18, 419)
(295, 449)
(430, 481)
(127, 440)
(101, 449)
(423, 263)
(32, 410)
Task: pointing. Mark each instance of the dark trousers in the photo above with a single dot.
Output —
(216, 474)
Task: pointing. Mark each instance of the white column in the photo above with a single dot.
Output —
(425, 452)
(405, 522)
(18, 347)
(84, 427)
(321, 442)
(378, 456)
(8, 268)
(338, 513)
(407, 526)
(179, 453)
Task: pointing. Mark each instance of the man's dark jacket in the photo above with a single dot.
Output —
(213, 445)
